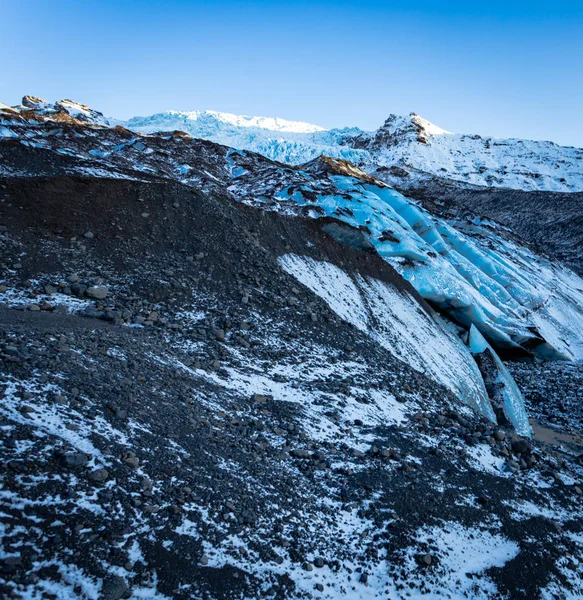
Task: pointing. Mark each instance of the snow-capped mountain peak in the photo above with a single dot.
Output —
(64, 109)
(218, 120)
(413, 123)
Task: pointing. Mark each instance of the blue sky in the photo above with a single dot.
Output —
(510, 69)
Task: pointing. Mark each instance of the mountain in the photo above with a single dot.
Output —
(223, 376)
(403, 150)
(483, 174)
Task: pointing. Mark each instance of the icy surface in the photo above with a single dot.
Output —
(514, 407)
(470, 271)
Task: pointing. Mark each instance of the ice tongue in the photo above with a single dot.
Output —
(504, 393)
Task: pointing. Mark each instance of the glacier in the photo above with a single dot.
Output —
(467, 269)
(511, 400)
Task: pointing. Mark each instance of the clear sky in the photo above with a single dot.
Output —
(504, 68)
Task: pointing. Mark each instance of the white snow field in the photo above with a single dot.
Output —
(395, 321)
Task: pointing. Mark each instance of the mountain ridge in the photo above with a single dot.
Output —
(401, 151)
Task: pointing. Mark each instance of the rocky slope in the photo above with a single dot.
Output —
(219, 380)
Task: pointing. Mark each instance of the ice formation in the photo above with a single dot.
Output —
(516, 299)
(409, 142)
(504, 386)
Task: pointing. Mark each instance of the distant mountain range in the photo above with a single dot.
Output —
(404, 151)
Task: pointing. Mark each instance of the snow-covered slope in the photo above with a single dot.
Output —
(472, 159)
(411, 143)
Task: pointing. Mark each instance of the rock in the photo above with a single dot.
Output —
(75, 459)
(89, 235)
(3, 288)
(427, 559)
(499, 436)
(300, 453)
(520, 445)
(308, 566)
(260, 398)
(204, 560)
(363, 578)
(319, 562)
(578, 490)
(93, 313)
(78, 289)
(130, 459)
(99, 475)
(99, 292)
(114, 588)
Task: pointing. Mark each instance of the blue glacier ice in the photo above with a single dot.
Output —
(506, 388)
(515, 298)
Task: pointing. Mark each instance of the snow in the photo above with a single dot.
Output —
(481, 457)
(463, 552)
(56, 419)
(395, 320)
(13, 298)
(485, 161)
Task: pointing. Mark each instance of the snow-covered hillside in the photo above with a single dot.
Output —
(411, 143)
